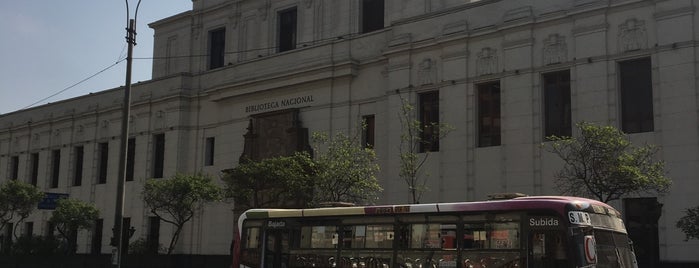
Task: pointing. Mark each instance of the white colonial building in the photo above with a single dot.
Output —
(242, 77)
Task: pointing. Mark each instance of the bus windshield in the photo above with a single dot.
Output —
(600, 238)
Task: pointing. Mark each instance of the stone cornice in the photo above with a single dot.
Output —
(287, 79)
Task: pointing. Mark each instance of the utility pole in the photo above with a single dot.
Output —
(117, 237)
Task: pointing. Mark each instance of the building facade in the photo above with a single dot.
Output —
(233, 78)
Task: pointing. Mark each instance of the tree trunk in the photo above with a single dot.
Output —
(174, 239)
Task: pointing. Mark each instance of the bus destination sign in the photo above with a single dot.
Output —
(579, 217)
(388, 210)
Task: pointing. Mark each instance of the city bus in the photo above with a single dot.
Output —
(526, 231)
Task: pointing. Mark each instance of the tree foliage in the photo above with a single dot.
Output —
(411, 159)
(283, 181)
(346, 172)
(175, 200)
(17, 201)
(602, 163)
(38, 245)
(70, 216)
(689, 223)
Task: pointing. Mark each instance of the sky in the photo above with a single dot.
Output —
(50, 46)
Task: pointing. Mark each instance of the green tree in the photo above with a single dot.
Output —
(175, 200)
(70, 216)
(412, 160)
(346, 172)
(17, 201)
(283, 181)
(602, 163)
(689, 223)
(37, 245)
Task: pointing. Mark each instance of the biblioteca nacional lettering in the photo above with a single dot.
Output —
(277, 104)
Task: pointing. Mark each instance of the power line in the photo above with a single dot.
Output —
(74, 85)
(303, 44)
(121, 54)
(341, 37)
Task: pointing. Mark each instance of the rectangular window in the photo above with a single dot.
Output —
(153, 240)
(474, 236)
(636, 95)
(557, 104)
(34, 176)
(103, 162)
(366, 233)
(55, 167)
(14, 167)
(96, 247)
(286, 39)
(322, 236)
(158, 155)
(209, 153)
(78, 165)
(429, 121)
(367, 236)
(488, 114)
(379, 236)
(492, 231)
(217, 48)
(368, 131)
(252, 237)
(503, 235)
(491, 236)
(372, 15)
(251, 245)
(433, 235)
(130, 158)
(171, 54)
(28, 229)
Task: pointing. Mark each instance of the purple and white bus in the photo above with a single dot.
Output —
(536, 231)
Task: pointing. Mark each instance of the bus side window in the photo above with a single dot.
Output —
(250, 254)
(252, 237)
(474, 236)
(425, 236)
(403, 236)
(503, 235)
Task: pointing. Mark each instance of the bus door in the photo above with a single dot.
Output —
(546, 243)
(276, 246)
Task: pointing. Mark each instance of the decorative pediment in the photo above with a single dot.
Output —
(487, 61)
(555, 49)
(426, 72)
(632, 35)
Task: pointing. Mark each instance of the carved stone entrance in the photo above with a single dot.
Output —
(277, 133)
